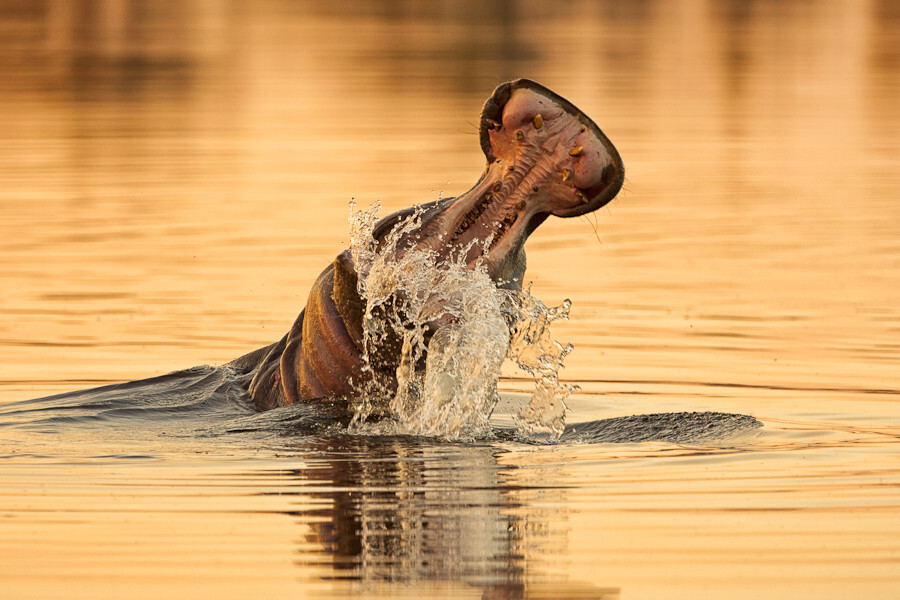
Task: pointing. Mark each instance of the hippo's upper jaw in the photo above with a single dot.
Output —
(544, 157)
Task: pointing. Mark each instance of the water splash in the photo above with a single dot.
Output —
(417, 301)
(534, 351)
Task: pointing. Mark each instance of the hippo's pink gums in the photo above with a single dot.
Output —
(544, 157)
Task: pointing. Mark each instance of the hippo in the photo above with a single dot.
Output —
(544, 157)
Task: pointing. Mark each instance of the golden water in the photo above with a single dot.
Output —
(174, 175)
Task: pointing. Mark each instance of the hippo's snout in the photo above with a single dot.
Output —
(545, 157)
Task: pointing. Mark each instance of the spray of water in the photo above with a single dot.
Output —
(453, 328)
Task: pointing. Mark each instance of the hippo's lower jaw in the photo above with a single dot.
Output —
(545, 157)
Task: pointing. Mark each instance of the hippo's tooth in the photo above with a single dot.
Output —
(502, 227)
(497, 186)
(565, 175)
(580, 195)
(576, 151)
(520, 205)
(538, 121)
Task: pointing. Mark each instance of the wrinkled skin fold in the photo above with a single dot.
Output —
(544, 157)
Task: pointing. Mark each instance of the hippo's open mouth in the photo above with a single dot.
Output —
(544, 157)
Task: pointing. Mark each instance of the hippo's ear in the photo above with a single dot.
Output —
(346, 297)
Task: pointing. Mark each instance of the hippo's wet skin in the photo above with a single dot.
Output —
(544, 157)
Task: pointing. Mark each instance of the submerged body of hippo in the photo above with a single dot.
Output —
(544, 157)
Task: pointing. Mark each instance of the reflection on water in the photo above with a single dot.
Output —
(397, 517)
(417, 512)
(175, 174)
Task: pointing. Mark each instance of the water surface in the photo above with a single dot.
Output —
(175, 175)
